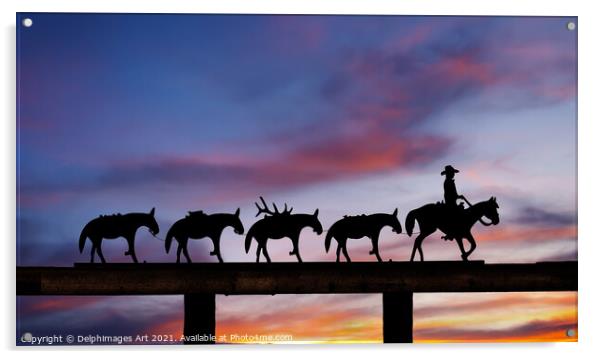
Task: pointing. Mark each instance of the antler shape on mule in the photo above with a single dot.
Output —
(267, 210)
(285, 210)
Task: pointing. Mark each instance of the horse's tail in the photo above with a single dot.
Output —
(169, 238)
(82, 238)
(410, 219)
(329, 237)
(248, 239)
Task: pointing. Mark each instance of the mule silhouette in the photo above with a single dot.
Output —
(357, 227)
(115, 226)
(277, 225)
(435, 216)
(197, 225)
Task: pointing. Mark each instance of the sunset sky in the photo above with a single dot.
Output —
(348, 114)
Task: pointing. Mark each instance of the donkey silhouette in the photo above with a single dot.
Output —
(197, 225)
(357, 227)
(435, 216)
(115, 226)
(277, 225)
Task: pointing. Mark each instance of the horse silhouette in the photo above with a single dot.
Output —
(276, 225)
(115, 226)
(357, 227)
(435, 216)
(197, 225)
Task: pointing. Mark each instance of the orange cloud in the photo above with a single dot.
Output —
(51, 303)
(172, 327)
(489, 317)
(531, 234)
(444, 318)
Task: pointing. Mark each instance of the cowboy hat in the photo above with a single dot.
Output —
(449, 169)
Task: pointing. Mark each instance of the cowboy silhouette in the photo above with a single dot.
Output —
(450, 193)
(451, 196)
(451, 218)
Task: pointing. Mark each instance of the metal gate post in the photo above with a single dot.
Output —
(199, 318)
(398, 318)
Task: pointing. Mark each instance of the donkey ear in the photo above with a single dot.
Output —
(316, 212)
(395, 212)
(237, 213)
(152, 212)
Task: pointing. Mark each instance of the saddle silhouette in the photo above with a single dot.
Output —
(197, 225)
(277, 225)
(115, 226)
(456, 224)
(356, 227)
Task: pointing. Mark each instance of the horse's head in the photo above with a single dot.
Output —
(236, 223)
(314, 222)
(394, 222)
(490, 210)
(151, 222)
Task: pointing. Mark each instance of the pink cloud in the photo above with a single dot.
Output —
(527, 234)
(465, 67)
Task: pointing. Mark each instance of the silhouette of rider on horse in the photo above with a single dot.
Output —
(451, 218)
(451, 196)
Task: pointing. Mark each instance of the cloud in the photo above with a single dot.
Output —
(307, 318)
(531, 215)
(377, 96)
(455, 306)
(374, 151)
(119, 316)
(448, 64)
(537, 330)
(42, 304)
(527, 233)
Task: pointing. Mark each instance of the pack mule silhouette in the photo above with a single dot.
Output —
(115, 226)
(277, 225)
(197, 225)
(356, 227)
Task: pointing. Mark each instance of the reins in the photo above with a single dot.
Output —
(480, 218)
(152, 234)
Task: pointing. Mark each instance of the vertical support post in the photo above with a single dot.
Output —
(398, 317)
(199, 318)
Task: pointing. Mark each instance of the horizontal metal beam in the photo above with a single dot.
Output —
(295, 278)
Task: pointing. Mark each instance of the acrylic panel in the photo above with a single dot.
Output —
(205, 178)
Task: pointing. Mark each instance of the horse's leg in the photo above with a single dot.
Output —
(418, 246)
(374, 250)
(460, 242)
(92, 251)
(216, 249)
(185, 250)
(344, 243)
(338, 251)
(131, 251)
(413, 252)
(295, 251)
(179, 252)
(99, 251)
(265, 251)
(421, 254)
(258, 250)
(473, 246)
